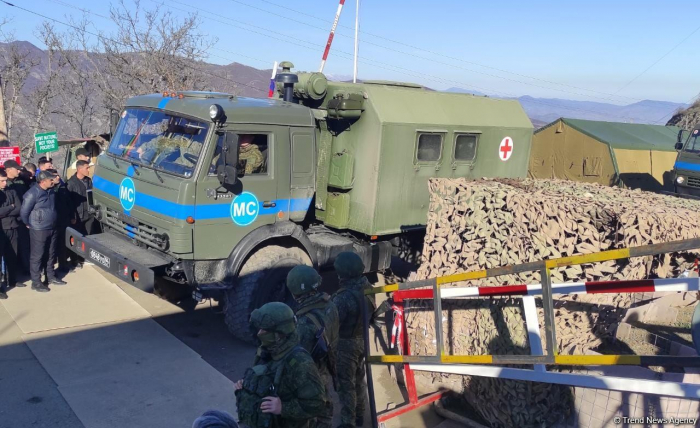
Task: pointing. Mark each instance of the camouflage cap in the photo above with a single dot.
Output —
(349, 265)
(303, 280)
(274, 316)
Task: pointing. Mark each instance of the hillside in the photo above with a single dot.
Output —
(688, 118)
(248, 81)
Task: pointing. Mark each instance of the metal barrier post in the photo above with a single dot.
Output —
(548, 306)
(368, 365)
(437, 305)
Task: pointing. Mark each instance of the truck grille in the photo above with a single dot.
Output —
(134, 229)
(694, 181)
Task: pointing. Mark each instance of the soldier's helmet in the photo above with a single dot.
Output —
(349, 265)
(274, 316)
(303, 280)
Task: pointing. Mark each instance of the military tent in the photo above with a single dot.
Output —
(635, 156)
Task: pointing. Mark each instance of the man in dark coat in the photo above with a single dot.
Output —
(80, 188)
(65, 216)
(17, 180)
(38, 213)
(10, 205)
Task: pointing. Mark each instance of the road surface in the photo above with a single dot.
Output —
(100, 353)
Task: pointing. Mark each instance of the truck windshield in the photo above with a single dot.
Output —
(693, 143)
(158, 140)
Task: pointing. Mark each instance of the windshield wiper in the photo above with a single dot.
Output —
(115, 162)
(134, 165)
(158, 175)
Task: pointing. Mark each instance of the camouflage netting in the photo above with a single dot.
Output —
(475, 225)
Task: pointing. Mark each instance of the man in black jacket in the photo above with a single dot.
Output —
(65, 215)
(38, 212)
(80, 188)
(9, 211)
(17, 181)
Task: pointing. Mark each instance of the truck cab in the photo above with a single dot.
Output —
(687, 166)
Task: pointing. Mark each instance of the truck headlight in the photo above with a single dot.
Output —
(680, 180)
(216, 112)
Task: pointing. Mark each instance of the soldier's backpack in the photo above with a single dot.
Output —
(322, 352)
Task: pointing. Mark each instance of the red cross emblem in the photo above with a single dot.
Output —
(505, 149)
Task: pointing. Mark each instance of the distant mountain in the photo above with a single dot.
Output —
(249, 81)
(546, 110)
(647, 111)
(464, 91)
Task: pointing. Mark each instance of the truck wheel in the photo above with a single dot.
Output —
(262, 279)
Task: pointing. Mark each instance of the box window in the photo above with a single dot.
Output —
(429, 147)
(465, 147)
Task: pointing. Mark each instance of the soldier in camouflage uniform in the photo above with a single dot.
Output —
(283, 389)
(351, 347)
(317, 325)
(250, 154)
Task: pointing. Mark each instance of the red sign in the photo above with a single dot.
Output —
(505, 149)
(10, 153)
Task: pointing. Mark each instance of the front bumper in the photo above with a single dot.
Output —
(687, 192)
(108, 252)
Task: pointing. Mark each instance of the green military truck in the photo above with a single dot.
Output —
(687, 166)
(337, 167)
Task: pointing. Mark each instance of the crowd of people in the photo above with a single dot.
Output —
(36, 207)
(302, 355)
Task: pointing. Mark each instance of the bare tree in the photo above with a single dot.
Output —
(78, 95)
(150, 51)
(42, 98)
(17, 64)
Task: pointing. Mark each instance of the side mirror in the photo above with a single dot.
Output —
(680, 138)
(113, 121)
(227, 171)
(679, 146)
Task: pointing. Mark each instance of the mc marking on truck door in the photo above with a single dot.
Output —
(245, 209)
(127, 194)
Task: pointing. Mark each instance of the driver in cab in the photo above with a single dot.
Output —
(249, 154)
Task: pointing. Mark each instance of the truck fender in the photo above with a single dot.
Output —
(264, 233)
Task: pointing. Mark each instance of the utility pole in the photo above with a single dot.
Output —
(357, 31)
(3, 122)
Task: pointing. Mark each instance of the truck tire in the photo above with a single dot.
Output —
(262, 279)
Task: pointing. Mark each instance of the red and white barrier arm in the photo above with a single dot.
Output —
(331, 35)
(602, 287)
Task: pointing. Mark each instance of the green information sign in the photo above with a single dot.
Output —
(46, 142)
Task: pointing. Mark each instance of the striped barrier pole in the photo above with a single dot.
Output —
(592, 287)
(331, 35)
(623, 253)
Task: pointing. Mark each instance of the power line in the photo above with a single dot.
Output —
(440, 55)
(88, 11)
(123, 44)
(658, 60)
(348, 56)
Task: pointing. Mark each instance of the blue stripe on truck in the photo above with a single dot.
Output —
(198, 212)
(687, 166)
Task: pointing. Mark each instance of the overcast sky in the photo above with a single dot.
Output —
(586, 50)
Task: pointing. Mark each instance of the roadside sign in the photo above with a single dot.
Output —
(10, 153)
(505, 149)
(46, 142)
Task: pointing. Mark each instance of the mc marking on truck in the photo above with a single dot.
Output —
(245, 209)
(127, 194)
